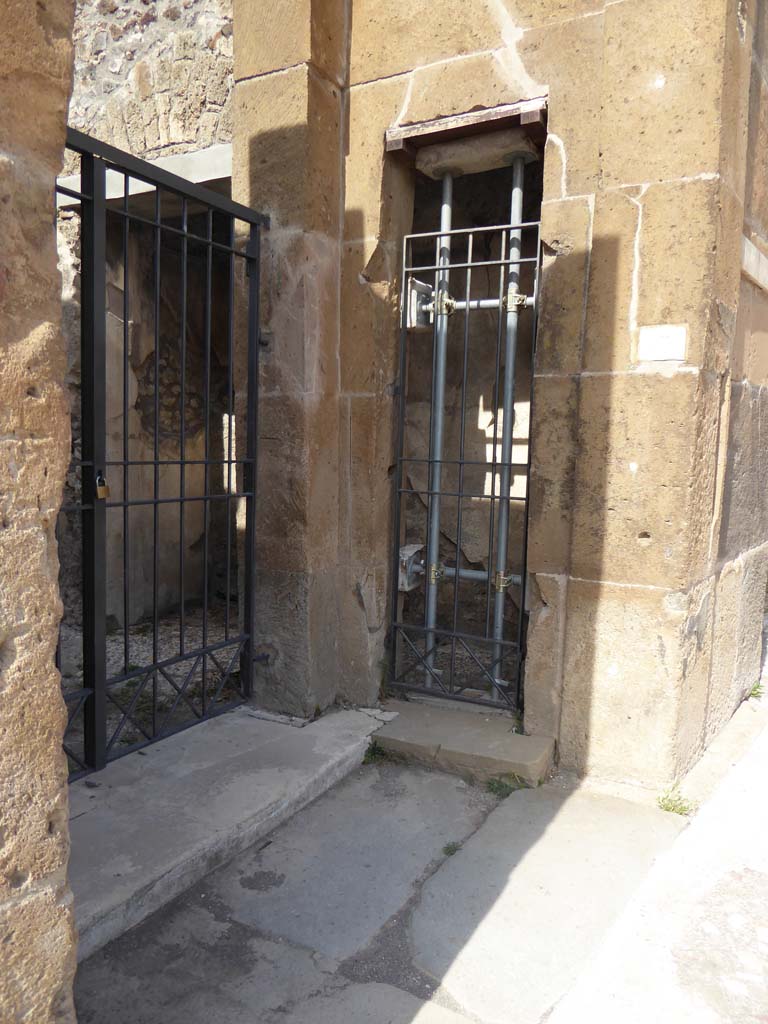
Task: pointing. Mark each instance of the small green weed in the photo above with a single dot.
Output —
(675, 803)
(450, 848)
(757, 690)
(375, 753)
(502, 788)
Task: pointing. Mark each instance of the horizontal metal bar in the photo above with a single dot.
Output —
(409, 627)
(460, 306)
(174, 501)
(464, 462)
(176, 462)
(64, 191)
(465, 266)
(165, 226)
(169, 662)
(477, 575)
(451, 494)
(448, 694)
(136, 168)
(453, 232)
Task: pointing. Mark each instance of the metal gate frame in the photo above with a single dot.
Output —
(99, 741)
(422, 304)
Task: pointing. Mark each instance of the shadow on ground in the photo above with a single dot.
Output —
(402, 896)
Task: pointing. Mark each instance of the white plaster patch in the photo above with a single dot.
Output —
(662, 343)
(508, 58)
(659, 82)
(754, 263)
(558, 142)
(633, 467)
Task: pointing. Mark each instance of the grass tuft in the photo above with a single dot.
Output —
(757, 690)
(502, 788)
(450, 848)
(675, 803)
(376, 753)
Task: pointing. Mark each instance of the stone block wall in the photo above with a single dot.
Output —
(644, 182)
(740, 529)
(36, 927)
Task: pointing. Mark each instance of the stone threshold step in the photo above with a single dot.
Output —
(153, 823)
(465, 742)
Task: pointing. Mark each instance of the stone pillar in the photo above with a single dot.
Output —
(653, 222)
(36, 928)
(289, 117)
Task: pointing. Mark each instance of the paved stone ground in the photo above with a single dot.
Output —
(402, 896)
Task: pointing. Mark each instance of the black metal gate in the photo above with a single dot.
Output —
(461, 481)
(156, 532)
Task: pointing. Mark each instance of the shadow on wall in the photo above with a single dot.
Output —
(572, 443)
(299, 541)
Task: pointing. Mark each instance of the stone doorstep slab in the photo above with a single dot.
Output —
(464, 742)
(153, 823)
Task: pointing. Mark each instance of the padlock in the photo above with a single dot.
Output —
(102, 487)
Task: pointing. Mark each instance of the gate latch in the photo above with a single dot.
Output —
(102, 487)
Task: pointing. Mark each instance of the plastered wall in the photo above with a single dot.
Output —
(644, 177)
(36, 930)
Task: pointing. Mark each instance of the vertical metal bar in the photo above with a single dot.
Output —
(230, 336)
(503, 272)
(182, 428)
(93, 346)
(398, 475)
(462, 431)
(436, 434)
(524, 568)
(508, 414)
(126, 453)
(250, 464)
(156, 461)
(207, 435)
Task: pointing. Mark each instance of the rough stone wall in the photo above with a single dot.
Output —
(643, 182)
(36, 930)
(287, 157)
(740, 530)
(154, 78)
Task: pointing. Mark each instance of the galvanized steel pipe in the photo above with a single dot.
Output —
(438, 411)
(508, 410)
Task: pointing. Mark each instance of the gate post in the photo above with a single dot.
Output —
(93, 342)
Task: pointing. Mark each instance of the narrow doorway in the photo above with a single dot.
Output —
(469, 293)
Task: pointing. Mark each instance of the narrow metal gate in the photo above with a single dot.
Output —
(458, 607)
(156, 532)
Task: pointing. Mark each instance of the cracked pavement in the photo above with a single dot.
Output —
(401, 896)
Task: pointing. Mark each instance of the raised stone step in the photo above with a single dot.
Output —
(153, 823)
(471, 743)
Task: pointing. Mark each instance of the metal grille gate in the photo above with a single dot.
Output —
(438, 647)
(156, 532)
